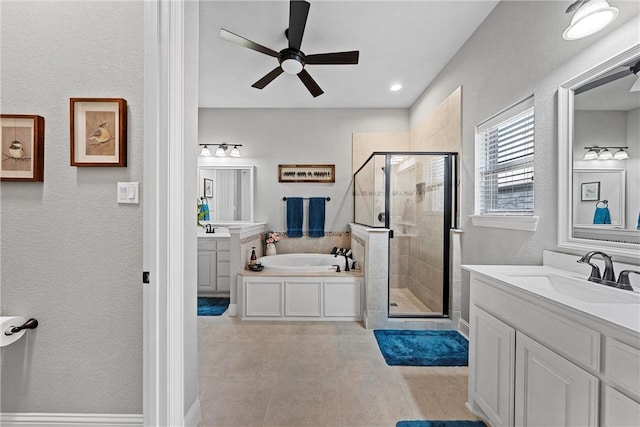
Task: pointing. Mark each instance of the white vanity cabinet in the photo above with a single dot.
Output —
(213, 264)
(535, 362)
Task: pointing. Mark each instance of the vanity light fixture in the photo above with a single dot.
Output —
(205, 152)
(221, 151)
(602, 153)
(591, 16)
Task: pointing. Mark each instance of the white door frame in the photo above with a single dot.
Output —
(164, 219)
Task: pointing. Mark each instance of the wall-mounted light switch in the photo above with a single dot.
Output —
(128, 192)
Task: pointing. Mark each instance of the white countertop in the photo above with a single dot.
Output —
(615, 306)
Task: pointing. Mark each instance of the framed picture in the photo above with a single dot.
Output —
(307, 173)
(590, 191)
(98, 132)
(208, 188)
(22, 143)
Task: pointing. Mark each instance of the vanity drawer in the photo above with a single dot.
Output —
(207, 244)
(571, 339)
(622, 365)
(224, 245)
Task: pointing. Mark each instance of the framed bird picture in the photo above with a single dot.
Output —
(98, 132)
(22, 142)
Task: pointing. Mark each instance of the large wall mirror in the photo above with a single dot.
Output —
(599, 158)
(228, 191)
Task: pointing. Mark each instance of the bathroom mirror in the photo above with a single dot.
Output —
(229, 192)
(598, 109)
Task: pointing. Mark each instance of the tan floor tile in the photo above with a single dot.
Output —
(238, 402)
(303, 402)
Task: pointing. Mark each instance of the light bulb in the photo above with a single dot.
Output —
(590, 155)
(589, 19)
(605, 155)
(220, 152)
(205, 151)
(621, 155)
(234, 151)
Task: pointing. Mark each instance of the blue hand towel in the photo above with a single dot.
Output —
(294, 216)
(316, 216)
(204, 212)
(602, 216)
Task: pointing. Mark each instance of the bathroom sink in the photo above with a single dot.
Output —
(578, 289)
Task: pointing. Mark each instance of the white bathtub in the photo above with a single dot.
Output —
(302, 262)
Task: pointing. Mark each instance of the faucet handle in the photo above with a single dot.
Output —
(623, 279)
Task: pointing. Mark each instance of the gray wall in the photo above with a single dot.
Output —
(71, 256)
(516, 52)
(296, 136)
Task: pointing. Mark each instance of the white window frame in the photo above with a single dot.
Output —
(515, 220)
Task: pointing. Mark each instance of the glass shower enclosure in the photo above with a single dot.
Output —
(414, 195)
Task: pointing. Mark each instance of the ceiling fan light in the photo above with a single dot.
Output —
(205, 152)
(590, 155)
(621, 154)
(605, 155)
(220, 152)
(234, 152)
(291, 66)
(589, 19)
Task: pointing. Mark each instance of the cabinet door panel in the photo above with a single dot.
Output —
(207, 270)
(550, 390)
(491, 366)
(619, 410)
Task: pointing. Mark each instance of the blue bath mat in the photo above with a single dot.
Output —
(212, 306)
(445, 423)
(422, 348)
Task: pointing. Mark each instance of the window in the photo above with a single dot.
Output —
(504, 162)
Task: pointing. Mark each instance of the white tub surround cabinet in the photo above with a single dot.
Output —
(324, 296)
(213, 263)
(549, 348)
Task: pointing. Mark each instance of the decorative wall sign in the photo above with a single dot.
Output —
(22, 144)
(98, 132)
(590, 191)
(306, 173)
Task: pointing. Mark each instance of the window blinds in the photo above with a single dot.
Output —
(505, 146)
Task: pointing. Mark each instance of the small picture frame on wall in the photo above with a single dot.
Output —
(22, 144)
(98, 132)
(208, 188)
(307, 173)
(590, 191)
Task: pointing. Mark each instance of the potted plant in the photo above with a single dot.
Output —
(270, 239)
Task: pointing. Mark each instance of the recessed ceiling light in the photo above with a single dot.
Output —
(395, 87)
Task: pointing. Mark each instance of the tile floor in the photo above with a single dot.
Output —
(406, 302)
(314, 374)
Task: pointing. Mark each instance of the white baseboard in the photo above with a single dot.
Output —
(463, 328)
(192, 419)
(26, 419)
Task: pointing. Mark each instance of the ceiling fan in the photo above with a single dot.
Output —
(292, 60)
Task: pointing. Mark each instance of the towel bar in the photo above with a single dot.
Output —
(307, 198)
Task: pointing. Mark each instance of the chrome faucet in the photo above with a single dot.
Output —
(609, 274)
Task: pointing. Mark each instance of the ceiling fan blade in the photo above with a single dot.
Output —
(260, 84)
(337, 58)
(602, 81)
(298, 11)
(310, 83)
(234, 38)
(576, 5)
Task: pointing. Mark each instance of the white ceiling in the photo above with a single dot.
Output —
(612, 96)
(408, 42)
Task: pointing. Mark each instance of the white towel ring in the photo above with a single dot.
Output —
(606, 203)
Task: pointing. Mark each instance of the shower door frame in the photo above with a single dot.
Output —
(450, 202)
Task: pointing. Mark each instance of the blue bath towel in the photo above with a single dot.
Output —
(316, 216)
(294, 216)
(602, 216)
